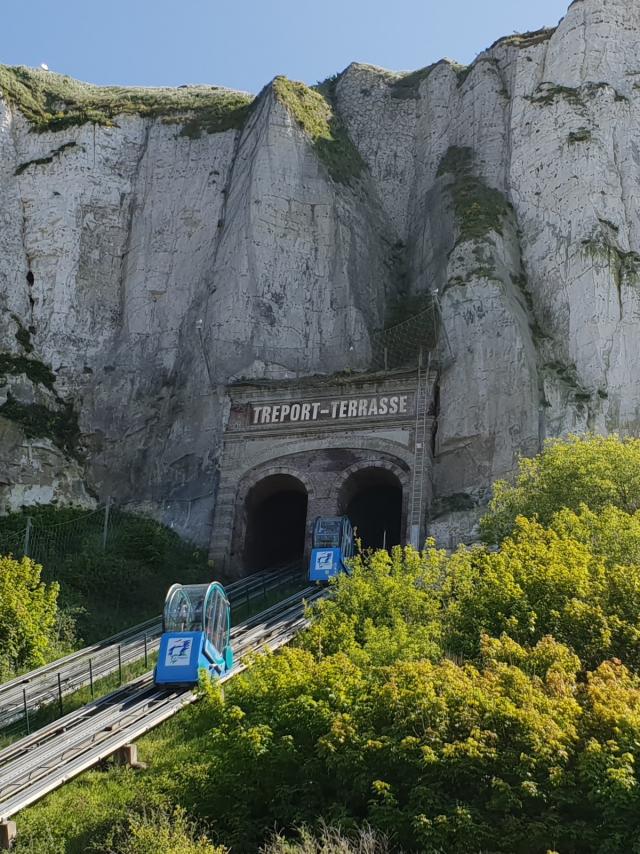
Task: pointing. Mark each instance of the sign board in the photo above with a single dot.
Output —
(338, 409)
(324, 564)
(178, 652)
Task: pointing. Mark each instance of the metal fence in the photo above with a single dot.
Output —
(49, 543)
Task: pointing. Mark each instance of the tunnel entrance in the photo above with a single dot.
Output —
(372, 499)
(276, 509)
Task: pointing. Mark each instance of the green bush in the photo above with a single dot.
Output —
(330, 840)
(28, 615)
(110, 589)
(592, 470)
(578, 580)
(159, 832)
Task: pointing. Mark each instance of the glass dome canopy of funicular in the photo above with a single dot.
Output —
(196, 633)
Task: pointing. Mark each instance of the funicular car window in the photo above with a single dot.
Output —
(328, 533)
(221, 623)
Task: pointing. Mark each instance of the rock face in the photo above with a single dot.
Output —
(143, 263)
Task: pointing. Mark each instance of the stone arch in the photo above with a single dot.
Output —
(284, 479)
(401, 473)
(261, 472)
(375, 495)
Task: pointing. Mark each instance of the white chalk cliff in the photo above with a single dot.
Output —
(150, 255)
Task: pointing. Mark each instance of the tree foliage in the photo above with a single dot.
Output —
(593, 470)
(480, 701)
(28, 612)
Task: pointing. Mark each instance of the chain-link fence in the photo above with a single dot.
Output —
(49, 543)
(403, 343)
(413, 330)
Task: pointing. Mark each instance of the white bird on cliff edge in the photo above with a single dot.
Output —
(44, 66)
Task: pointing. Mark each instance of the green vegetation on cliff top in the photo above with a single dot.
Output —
(54, 102)
(320, 121)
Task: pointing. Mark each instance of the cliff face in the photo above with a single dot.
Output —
(151, 251)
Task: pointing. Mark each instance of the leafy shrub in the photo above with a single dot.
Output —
(577, 579)
(159, 832)
(28, 612)
(592, 470)
(513, 755)
(330, 840)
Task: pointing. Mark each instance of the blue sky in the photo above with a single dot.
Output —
(245, 44)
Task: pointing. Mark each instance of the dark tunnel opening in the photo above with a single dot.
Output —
(372, 499)
(276, 523)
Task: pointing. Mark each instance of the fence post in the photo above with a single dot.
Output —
(91, 677)
(120, 662)
(26, 708)
(146, 651)
(60, 694)
(27, 536)
(105, 527)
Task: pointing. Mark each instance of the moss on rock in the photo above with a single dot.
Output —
(38, 421)
(42, 161)
(55, 102)
(36, 371)
(479, 209)
(320, 121)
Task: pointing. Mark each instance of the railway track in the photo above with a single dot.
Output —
(39, 763)
(52, 682)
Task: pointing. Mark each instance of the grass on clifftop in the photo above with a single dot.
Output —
(54, 102)
(317, 118)
(479, 208)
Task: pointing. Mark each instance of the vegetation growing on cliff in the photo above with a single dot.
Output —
(36, 371)
(528, 39)
(547, 93)
(320, 121)
(625, 266)
(40, 422)
(42, 161)
(479, 209)
(408, 85)
(54, 102)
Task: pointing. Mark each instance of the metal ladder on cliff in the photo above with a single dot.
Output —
(416, 509)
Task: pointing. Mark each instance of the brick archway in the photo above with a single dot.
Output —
(375, 476)
(287, 476)
(401, 473)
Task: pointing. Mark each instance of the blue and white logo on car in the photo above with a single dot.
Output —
(178, 652)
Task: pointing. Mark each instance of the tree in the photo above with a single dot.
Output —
(577, 579)
(28, 612)
(594, 470)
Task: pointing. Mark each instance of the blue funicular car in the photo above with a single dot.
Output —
(196, 634)
(331, 546)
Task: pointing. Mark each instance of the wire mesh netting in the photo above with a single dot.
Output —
(403, 343)
(49, 543)
(413, 328)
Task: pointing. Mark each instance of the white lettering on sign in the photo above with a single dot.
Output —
(361, 407)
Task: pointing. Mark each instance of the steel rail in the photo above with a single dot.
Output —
(51, 682)
(40, 763)
(32, 758)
